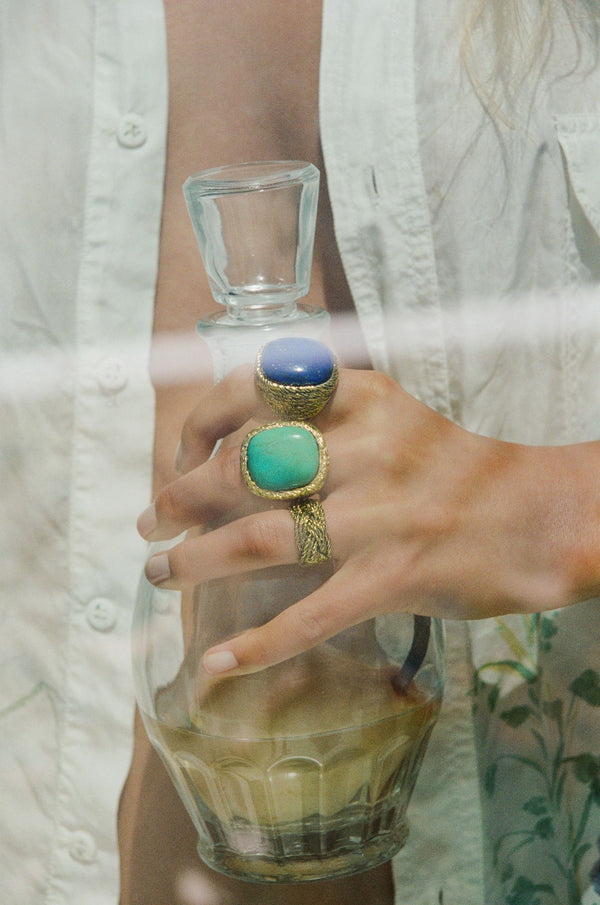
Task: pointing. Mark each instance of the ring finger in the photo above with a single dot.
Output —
(253, 542)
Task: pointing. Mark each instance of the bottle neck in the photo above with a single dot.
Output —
(235, 340)
(260, 311)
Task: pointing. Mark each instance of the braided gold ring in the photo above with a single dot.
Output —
(310, 532)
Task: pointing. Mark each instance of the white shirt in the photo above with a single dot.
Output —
(82, 158)
(439, 295)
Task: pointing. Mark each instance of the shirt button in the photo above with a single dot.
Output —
(101, 614)
(82, 847)
(112, 376)
(131, 131)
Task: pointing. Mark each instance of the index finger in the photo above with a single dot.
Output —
(225, 408)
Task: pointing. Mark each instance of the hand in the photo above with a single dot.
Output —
(424, 517)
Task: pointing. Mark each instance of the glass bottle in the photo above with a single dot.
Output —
(303, 770)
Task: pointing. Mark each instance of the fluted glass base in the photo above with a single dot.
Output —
(334, 807)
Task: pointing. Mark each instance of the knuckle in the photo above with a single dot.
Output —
(182, 563)
(229, 464)
(257, 649)
(258, 539)
(308, 625)
(237, 381)
(167, 504)
(194, 426)
(372, 391)
(378, 387)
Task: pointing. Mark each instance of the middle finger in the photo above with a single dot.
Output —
(201, 496)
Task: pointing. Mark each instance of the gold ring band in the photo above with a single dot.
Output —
(310, 532)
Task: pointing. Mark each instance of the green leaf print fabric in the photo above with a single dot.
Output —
(537, 717)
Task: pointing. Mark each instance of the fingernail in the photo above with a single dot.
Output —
(219, 661)
(179, 458)
(157, 568)
(147, 521)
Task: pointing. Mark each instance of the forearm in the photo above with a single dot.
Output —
(156, 837)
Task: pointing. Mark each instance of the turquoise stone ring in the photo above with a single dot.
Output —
(296, 376)
(284, 460)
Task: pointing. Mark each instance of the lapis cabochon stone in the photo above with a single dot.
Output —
(283, 458)
(297, 361)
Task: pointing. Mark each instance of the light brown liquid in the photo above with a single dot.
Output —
(301, 771)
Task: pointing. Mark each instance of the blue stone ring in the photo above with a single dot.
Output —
(296, 376)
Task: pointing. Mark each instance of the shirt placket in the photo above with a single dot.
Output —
(112, 441)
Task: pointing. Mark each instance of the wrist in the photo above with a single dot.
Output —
(573, 482)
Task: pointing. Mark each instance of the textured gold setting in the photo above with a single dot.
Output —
(291, 401)
(310, 532)
(297, 492)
